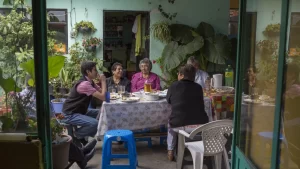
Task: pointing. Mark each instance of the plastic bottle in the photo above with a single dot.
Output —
(229, 74)
(207, 84)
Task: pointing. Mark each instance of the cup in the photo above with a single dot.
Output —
(147, 87)
(107, 97)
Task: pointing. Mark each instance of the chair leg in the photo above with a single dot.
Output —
(218, 161)
(226, 160)
(180, 151)
(197, 160)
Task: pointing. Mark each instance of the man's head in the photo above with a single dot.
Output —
(187, 72)
(192, 61)
(88, 68)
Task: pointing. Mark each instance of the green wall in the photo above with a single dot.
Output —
(190, 12)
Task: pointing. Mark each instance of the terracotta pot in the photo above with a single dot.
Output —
(60, 153)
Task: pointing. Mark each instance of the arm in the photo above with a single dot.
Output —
(133, 84)
(101, 94)
(157, 83)
(168, 97)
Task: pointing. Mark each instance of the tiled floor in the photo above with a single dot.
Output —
(149, 158)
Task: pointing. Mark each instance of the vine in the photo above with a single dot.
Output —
(165, 14)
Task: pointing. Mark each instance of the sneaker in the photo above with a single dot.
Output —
(87, 158)
(89, 146)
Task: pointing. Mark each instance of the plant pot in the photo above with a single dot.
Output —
(57, 105)
(84, 29)
(60, 153)
(90, 48)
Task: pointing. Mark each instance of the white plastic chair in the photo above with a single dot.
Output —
(212, 144)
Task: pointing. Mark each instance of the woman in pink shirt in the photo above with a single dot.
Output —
(139, 79)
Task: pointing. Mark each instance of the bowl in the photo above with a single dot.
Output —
(151, 96)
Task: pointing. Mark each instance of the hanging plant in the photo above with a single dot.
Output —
(85, 27)
(161, 31)
(90, 44)
(272, 30)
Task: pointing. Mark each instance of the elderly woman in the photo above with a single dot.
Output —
(116, 79)
(139, 79)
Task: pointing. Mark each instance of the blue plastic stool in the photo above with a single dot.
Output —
(119, 135)
(162, 139)
(148, 139)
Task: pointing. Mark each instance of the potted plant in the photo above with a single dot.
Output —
(85, 27)
(90, 44)
(60, 144)
(272, 30)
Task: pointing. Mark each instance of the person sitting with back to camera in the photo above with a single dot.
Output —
(75, 108)
(187, 104)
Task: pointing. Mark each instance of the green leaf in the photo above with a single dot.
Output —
(8, 84)
(55, 64)
(217, 50)
(7, 2)
(206, 30)
(173, 54)
(30, 82)
(182, 33)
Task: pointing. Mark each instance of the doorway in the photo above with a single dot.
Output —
(121, 37)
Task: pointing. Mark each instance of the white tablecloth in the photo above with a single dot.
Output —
(137, 115)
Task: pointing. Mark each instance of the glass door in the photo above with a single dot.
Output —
(258, 81)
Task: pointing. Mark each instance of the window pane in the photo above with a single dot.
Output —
(290, 137)
(260, 60)
(17, 92)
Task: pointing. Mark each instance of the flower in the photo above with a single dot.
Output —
(154, 61)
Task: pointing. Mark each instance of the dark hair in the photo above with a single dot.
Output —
(115, 65)
(189, 72)
(87, 65)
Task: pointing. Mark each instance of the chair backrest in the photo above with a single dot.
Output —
(213, 135)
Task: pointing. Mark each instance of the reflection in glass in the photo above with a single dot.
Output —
(290, 140)
(259, 55)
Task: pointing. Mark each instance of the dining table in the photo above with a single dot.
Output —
(138, 115)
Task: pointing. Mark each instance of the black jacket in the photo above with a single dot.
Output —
(124, 82)
(186, 99)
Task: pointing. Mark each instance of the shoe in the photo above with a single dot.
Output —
(170, 155)
(83, 141)
(89, 146)
(87, 158)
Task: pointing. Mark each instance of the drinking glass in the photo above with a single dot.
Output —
(147, 87)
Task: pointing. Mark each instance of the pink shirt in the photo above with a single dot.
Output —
(137, 82)
(86, 87)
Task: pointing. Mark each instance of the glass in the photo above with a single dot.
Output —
(290, 137)
(17, 94)
(259, 51)
(147, 87)
(121, 89)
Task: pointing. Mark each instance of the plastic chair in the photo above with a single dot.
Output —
(119, 135)
(212, 144)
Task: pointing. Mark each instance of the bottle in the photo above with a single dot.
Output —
(207, 84)
(229, 76)
(107, 97)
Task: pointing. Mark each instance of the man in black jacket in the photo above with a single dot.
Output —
(186, 99)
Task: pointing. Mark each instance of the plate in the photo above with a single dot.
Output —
(252, 101)
(130, 99)
(114, 97)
